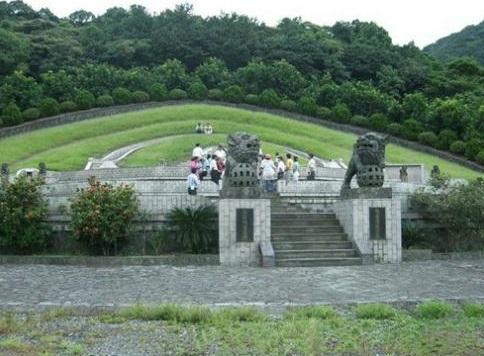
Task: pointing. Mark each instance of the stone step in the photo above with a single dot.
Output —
(275, 229)
(288, 254)
(304, 222)
(318, 262)
(309, 237)
(311, 245)
(302, 215)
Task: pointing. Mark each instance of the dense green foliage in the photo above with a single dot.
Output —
(102, 216)
(331, 72)
(466, 43)
(458, 211)
(22, 214)
(195, 229)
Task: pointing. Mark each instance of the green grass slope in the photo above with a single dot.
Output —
(67, 147)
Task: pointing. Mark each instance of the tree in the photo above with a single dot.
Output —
(48, 107)
(21, 89)
(11, 115)
(173, 74)
(81, 17)
(84, 99)
(213, 73)
(15, 51)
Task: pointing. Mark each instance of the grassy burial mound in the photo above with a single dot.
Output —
(67, 147)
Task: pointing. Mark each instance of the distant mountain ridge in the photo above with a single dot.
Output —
(467, 43)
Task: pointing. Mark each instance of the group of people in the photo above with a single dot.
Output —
(203, 165)
(289, 169)
(204, 129)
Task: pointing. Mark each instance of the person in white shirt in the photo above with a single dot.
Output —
(268, 169)
(281, 167)
(295, 169)
(208, 129)
(221, 153)
(198, 151)
(311, 167)
(193, 182)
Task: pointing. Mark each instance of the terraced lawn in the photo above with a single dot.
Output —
(68, 147)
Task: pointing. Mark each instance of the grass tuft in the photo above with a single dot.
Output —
(377, 311)
(474, 310)
(13, 344)
(243, 314)
(8, 324)
(434, 309)
(168, 312)
(315, 311)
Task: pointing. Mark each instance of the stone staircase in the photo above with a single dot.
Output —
(301, 238)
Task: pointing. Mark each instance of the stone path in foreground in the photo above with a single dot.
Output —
(31, 286)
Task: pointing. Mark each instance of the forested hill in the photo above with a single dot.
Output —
(349, 72)
(467, 43)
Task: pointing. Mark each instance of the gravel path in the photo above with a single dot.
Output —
(33, 286)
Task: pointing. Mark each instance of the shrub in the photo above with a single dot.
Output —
(378, 121)
(480, 157)
(446, 138)
(307, 105)
(324, 113)
(195, 229)
(102, 216)
(215, 94)
(252, 99)
(428, 138)
(341, 113)
(458, 147)
(121, 96)
(269, 98)
(104, 100)
(23, 211)
(48, 107)
(395, 129)
(67, 106)
(140, 96)
(197, 90)
(473, 146)
(359, 120)
(30, 114)
(434, 309)
(289, 105)
(177, 94)
(11, 115)
(411, 128)
(234, 94)
(158, 92)
(375, 311)
(474, 310)
(85, 99)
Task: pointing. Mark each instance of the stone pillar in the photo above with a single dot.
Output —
(372, 219)
(244, 226)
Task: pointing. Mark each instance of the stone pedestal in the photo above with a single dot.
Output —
(244, 225)
(372, 219)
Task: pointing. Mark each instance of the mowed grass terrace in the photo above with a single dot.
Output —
(67, 147)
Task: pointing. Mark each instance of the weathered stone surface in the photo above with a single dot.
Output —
(367, 193)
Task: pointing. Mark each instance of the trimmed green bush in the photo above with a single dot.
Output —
(158, 92)
(474, 310)
(378, 121)
(68, 106)
(234, 94)
(178, 94)
(105, 100)
(395, 129)
(324, 113)
(458, 147)
(48, 107)
(11, 115)
(140, 96)
(121, 96)
(359, 120)
(197, 90)
(411, 129)
(428, 138)
(377, 311)
(473, 146)
(289, 105)
(23, 211)
(84, 99)
(341, 113)
(480, 157)
(434, 309)
(446, 138)
(307, 105)
(31, 114)
(215, 94)
(252, 99)
(269, 98)
(102, 216)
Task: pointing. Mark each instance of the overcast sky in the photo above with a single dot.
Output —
(421, 21)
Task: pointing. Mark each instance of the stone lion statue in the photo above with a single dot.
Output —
(367, 161)
(241, 163)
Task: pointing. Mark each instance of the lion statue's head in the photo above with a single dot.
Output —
(243, 147)
(370, 149)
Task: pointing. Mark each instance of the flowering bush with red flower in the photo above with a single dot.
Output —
(102, 216)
